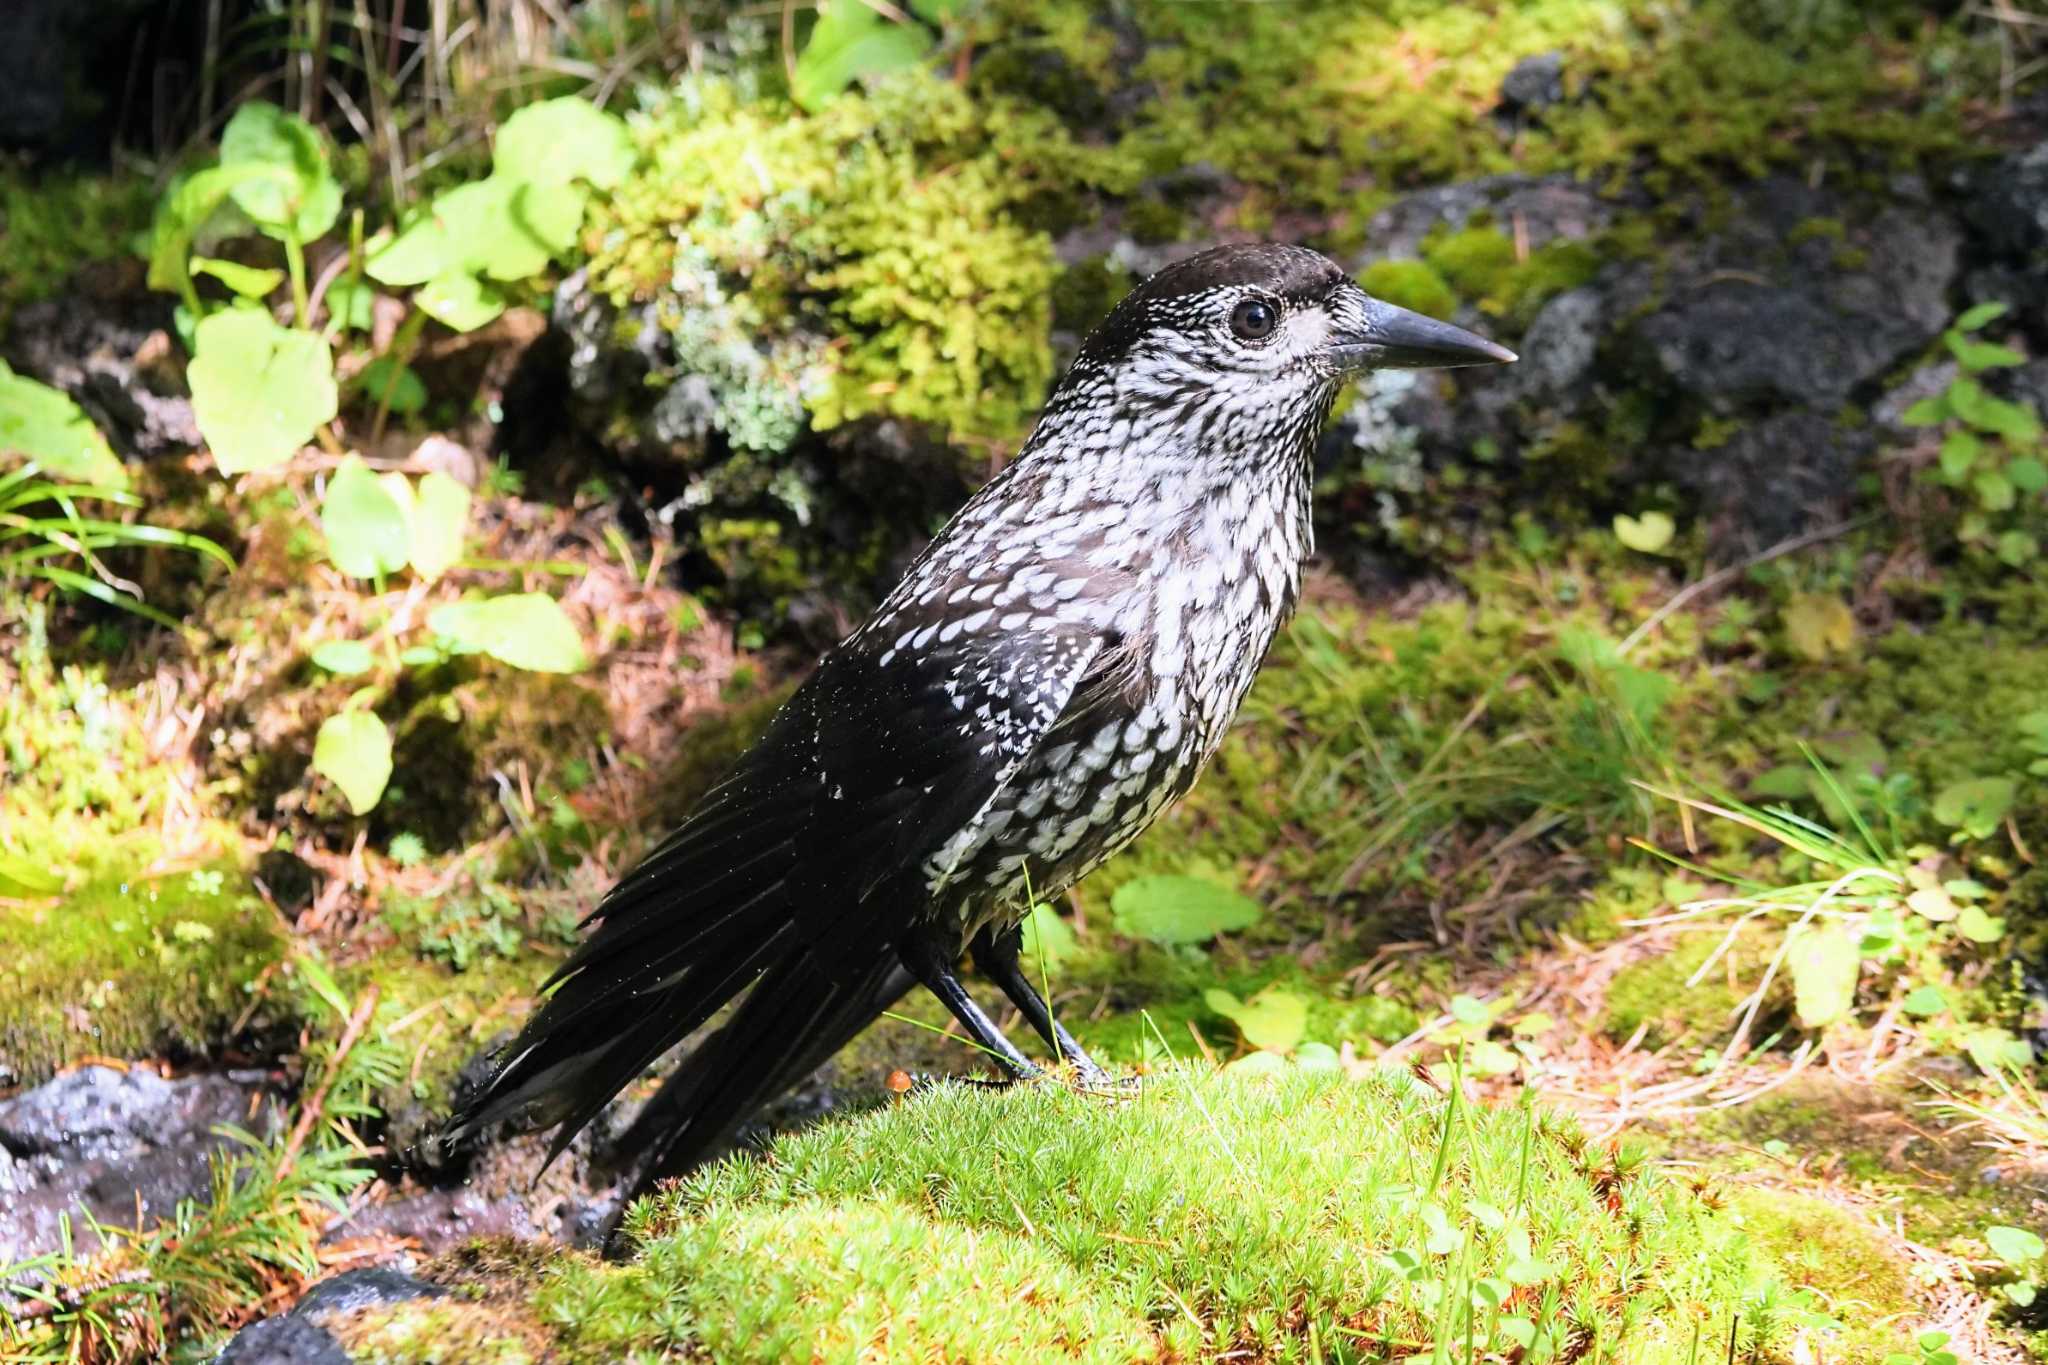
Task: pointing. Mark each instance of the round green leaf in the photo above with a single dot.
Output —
(43, 424)
(353, 751)
(440, 515)
(1979, 927)
(344, 657)
(2017, 1247)
(259, 391)
(1976, 806)
(460, 301)
(1648, 533)
(1179, 909)
(526, 630)
(351, 305)
(1273, 1020)
(564, 139)
(1824, 965)
(1047, 937)
(1924, 1002)
(849, 42)
(298, 198)
(367, 528)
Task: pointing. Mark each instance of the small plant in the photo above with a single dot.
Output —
(1991, 449)
(260, 389)
(1874, 906)
(2025, 1255)
(853, 41)
(377, 526)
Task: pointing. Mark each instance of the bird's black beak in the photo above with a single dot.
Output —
(1379, 336)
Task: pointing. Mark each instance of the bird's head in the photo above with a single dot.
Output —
(1252, 342)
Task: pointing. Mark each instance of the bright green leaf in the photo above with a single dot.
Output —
(1960, 450)
(1269, 1065)
(347, 658)
(1994, 490)
(2028, 474)
(1924, 1002)
(1648, 533)
(1976, 806)
(1928, 412)
(259, 391)
(182, 214)
(1273, 1020)
(2016, 547)
(246, 280)
(368, 535)
(440, 516)
(851, 42)
(20, 876)
(1973, 318)
(297, 197)
(1169, 909)
(1047, 937)
(1824, 965)
(351, 305)
(1977, 356)
(526, 630)
(1979, 927)
(1488, 1058)
(2017, 1247)
(46, 426)
(460, 301)
(353, 751)
(564, 139)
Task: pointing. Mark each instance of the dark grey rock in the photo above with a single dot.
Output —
(299, 1337)
(1549, 208)
(1559, 349)
(1761, 314)
(2010, 207)
(99, 351)
(1533, 84)
(1773, 478)
(283, 1341)
(117, 1144)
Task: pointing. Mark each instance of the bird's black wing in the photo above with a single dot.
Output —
(802, 869)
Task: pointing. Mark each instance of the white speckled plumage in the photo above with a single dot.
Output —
(1051, 673)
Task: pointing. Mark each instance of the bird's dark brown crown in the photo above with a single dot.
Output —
(1292, 273)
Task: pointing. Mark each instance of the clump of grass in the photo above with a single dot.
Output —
(1308, 1217)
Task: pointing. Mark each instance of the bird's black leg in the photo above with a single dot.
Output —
(995, 953)
(933, 966)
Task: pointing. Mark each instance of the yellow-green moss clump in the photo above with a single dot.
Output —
(134, 964)
(1309, 1217)
(871, 259)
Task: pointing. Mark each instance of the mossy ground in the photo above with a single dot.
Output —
(1170, 1224)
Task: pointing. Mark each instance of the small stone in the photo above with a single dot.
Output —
(1534, 84)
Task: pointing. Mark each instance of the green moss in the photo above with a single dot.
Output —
(1849, 1267)
(1653, 995)
(1166, 1224)
(1085, 292)
(56, 222)
(892, 225)
(135, 963)
(1410, 284)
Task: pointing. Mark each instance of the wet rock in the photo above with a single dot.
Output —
(114, 356)
(300, 1337)
(115, 1143)
(440, 1219)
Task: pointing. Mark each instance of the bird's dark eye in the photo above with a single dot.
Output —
(1254, 319)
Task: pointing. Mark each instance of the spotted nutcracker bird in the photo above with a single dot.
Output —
(1052, 673)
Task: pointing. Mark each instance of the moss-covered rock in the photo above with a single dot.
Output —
(134, 962)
